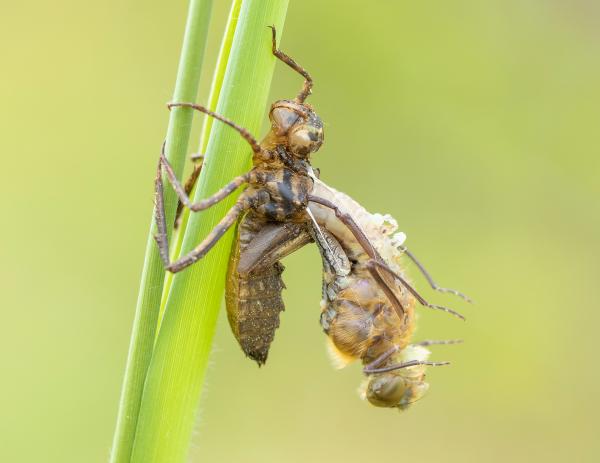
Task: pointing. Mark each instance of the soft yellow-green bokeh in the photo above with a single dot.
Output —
(475, 123)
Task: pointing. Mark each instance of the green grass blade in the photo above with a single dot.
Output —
(177, 369)
(215, 92)
(148, 304)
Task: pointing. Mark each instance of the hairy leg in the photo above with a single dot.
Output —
(382, 358)
(418, 297)
(431, 342)
(205, 203)
(213, 237)
(375, 259)
(388, 292)
(246, 135)
(308, 82)
(397, 366)
(429, 278)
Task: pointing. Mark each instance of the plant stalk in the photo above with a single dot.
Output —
(177, 368)
(148, 303)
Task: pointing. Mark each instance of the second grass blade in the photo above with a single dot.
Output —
(148, 304)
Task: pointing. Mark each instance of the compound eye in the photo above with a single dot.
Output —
(391, 390)
(386, 390)
(283, 119)
(305, 140)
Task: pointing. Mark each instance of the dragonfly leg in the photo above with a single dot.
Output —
(182, 192)
(308, 82)
(397, 366)
(246, 135)
(429, 278)
(375, 259)
(407, 285)
(207, 244)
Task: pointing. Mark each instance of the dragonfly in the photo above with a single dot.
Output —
(281, 210)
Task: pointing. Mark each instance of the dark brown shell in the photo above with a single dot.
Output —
(253, 300)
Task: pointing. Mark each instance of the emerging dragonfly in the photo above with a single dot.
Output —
(273, 219)
(367, 315)
(277, 192)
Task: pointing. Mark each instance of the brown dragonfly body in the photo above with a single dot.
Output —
(266, 232)
(368, 304)
(366, 315)
(269, 214)
(254, 284)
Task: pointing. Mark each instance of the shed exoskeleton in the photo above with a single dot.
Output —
(277, 191)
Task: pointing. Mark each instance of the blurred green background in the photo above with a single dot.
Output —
(475, 123)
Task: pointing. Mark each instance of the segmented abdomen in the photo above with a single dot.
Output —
(253, 300)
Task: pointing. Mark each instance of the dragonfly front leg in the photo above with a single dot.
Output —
(160, 218)
(308, 82)
(241, 205)
(204, 203)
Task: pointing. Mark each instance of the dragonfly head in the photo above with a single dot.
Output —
(298, 125)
